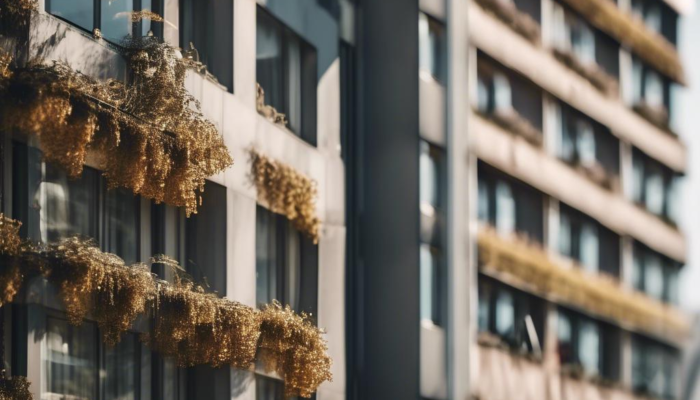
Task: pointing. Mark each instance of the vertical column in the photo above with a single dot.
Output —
(461, 282)
(388, 265)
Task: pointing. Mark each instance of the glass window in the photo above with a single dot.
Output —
(637, 179)
(589, 247)
(654, 192)
(505, 314)
(429, 281)
(431, 46)
(484, 201)
(71, 361)
(653, 89)
(286, 71)
(583, 42)
(78, 12)
(586, 143)
(652, 19)
(122, 224)
(505, 209)
(429, 175)
(565, 236)
(121, 370)
(205, 233)
(503, 99)
(589, 346)
(484, 305)
(654, 277)
(483, 98)
(116, 22)
(565, 338)
(68, 207)
(654, 368)
(286, 263)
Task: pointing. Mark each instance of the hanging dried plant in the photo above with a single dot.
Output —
(530, 265)
(287, 192)
(293, 347)
(189, 325)
(16, 13)
(149, 136)
(196, 328)
(15, 388)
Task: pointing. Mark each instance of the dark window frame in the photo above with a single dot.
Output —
(308, 57)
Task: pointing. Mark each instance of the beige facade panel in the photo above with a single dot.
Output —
(518, 158)
(540, 66)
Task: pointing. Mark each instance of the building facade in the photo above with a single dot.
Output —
(497, 183)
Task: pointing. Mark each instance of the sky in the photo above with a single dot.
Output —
(689, 124)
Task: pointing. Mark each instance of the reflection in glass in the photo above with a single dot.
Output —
(270, 63)
(78, 12)
(115, 19)
(70, 361)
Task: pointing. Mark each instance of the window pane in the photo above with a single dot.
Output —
(483, 206)
(565, 245)
(653, 89)
(503, 99)
(146, 24)
(589, 347)
(484, 305)
(292, 276)
(116, 19)
(654, 192)
(269, 61)
(583, 42)
(79, 12)
(429, 176)
(589, 247)
(268, 388)
(505, 314)
(121, 368)
(505, 209)
(654, 278)
(294, 83)
(122, 224)
(71, 361)
(637, 179)
(637, 270)
(206, 240)
(266, 257)
(431, 38)
(428, 265)
(565, 338)
(68, 207)
(586, 143)
(482, 95)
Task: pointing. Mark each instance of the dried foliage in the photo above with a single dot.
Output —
(294, 348)
(287, 192)
(600, 79)
(150, 136)
(631, 31)
(15, 14)
(517, 20)
(15, 388)
(530, 267)
(189, 325)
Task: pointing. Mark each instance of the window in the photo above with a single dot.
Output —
(286, 70)
(509, 206)
(515, 317)
(587, 344)
(585, 143)
(208, 26)
(53, 207)
(432, 192)
(113, 18)
(205, 242)
(77, 365)
(651, 94)
(655, 274)
(271, 389)
(594, 247)
(432, 47)
(654, 368)
(286, 264)
(571, 34)
(655, 186)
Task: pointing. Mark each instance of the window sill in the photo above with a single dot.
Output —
(600, 79)
(657, 116)
(514, 123)
(517, 20)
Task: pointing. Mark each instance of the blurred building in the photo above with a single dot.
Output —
(513, 211)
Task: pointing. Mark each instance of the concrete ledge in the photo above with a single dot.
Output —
(536, 63)
(516, 157)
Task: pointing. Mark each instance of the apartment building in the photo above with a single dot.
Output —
(516, 227)
(235, 245)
